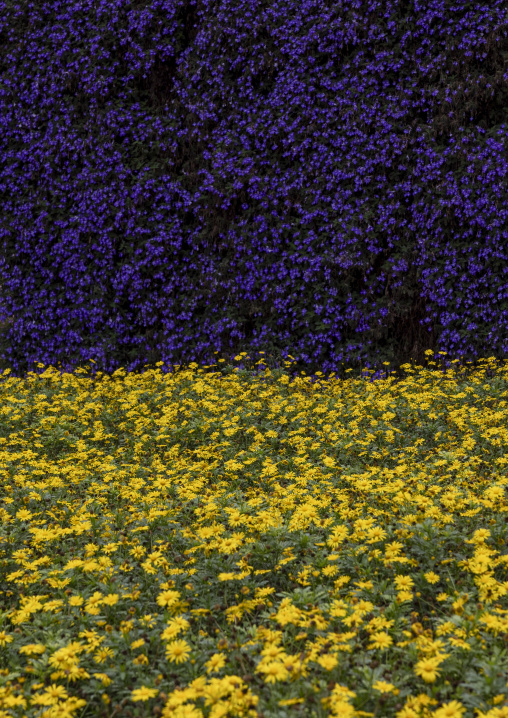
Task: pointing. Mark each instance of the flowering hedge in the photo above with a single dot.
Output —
(183, 177)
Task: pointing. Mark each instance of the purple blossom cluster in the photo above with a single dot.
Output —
(325, 179)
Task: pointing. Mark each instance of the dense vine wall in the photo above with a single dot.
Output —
(325, 179)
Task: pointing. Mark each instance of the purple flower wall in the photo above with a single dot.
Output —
(324, 179)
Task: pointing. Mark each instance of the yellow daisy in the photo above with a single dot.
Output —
(5, 638)
(274, 671)
(454, 709)
(381, 640)
(32, 648)
(143, 693)
(51, 696)
(177, 651)
(384, 687)
(328, 662)
(431, 577)
(215, 663)
(427, 669)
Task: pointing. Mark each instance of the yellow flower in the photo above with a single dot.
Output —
(228, 545)
(384, 687)
(111, 599)
(427, 669)
(393, 549)
(404, 583)
(404, 596)
(110, 548)
(479, 536)
(376, 534)
(51, 696)
(215, 663)
(143, 693)
(341, 709)
(24, 515)
(5, 638)
(294, 664)
(137, 644)
(13, 701)
(75, 601)
(177, 651)
(138, 551)
(103, 677)
(329, 570)
(93, 603)
(337, 535)
(380, 640)
(170, 632)
(67, 656)
(431, 577)
(174, 627)
(271, 650)
(454, 709)
(407, 712)
(168, 598)
(274, 671)
(364, 584)
(328, 662)
(103, 654)
(32, 648)
(186, 710)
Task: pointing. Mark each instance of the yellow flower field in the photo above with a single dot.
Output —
(196, 544)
